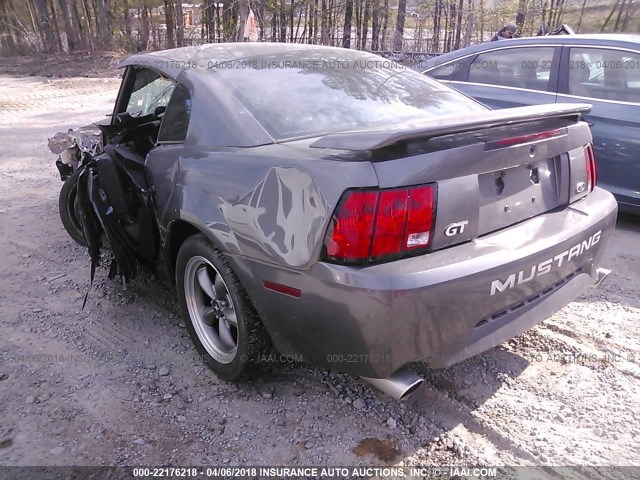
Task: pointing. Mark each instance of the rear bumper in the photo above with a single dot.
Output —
(439, 308)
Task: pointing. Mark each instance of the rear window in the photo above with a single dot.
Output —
(305, 94)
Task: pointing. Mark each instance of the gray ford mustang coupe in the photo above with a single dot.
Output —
(335, 206)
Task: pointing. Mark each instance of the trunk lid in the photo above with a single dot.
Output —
(492, 170)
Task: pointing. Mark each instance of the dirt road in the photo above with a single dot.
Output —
(119, 383)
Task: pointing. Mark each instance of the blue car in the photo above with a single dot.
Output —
(603, 70)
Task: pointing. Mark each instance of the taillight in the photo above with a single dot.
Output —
(590, 160)
(374, 225)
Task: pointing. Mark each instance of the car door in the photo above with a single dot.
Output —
(608, 79)
(505, 76)
(160, 165)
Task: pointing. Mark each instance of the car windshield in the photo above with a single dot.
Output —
(305, 94)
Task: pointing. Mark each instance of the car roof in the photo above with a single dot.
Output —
(603, 39)
(173, 61)
(586, 38)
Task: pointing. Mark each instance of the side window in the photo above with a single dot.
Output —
(176, 119)
(631, 65)
(448, 71)
(520, 67)
(150, 91)
(607, 74)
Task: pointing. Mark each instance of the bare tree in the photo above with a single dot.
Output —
(179, 24)
(521, 15)
(437, 9)
(283, 21)
(441, 25)
(127, 23)
(209, 21)
(375, 24)
(399, 33)
(331, 23)
(144, 26)
(45, 26)
(53, 20)
(385, 24)
(348, 16)
(618, 18)
(82, 36)
(481, 20)
(260, 18)
(625, 23)
(584, 4)
(315, 21)
(7, 29)
(243, 13)
(613, 10)
(102, 18)
(456, 44)
(357, 11)
(365, 23)
(470, 25)
(324, 24)
(69, 25)
(274, 24)
(169, 15)
(91, 28)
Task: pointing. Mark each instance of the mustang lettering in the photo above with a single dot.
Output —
(545, 267)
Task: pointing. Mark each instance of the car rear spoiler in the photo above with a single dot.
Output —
(451, 124)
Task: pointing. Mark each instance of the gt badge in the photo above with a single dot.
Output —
(455, 228)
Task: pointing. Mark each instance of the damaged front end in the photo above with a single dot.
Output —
(109, 203)
(113, 208)
(70, 145)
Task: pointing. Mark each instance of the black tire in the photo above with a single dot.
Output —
(67, 209)
(195, 254)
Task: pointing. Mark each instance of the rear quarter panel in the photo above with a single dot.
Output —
(273, 209)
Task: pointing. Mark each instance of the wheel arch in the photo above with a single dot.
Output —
(178, 231)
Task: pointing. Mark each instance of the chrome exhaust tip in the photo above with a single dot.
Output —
(601, 274)
(399, 385)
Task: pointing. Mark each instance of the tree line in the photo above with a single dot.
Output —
(56, 26)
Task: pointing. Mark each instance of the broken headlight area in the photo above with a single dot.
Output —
(110, 202)
(70, 145)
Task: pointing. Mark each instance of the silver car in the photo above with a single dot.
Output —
(335, 206)
(601, 70)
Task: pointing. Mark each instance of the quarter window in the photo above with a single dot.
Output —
(176, 119)
(448, 71)
(520, 67)
(607, 74)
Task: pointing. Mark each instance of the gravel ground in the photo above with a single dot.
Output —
(119, 383)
